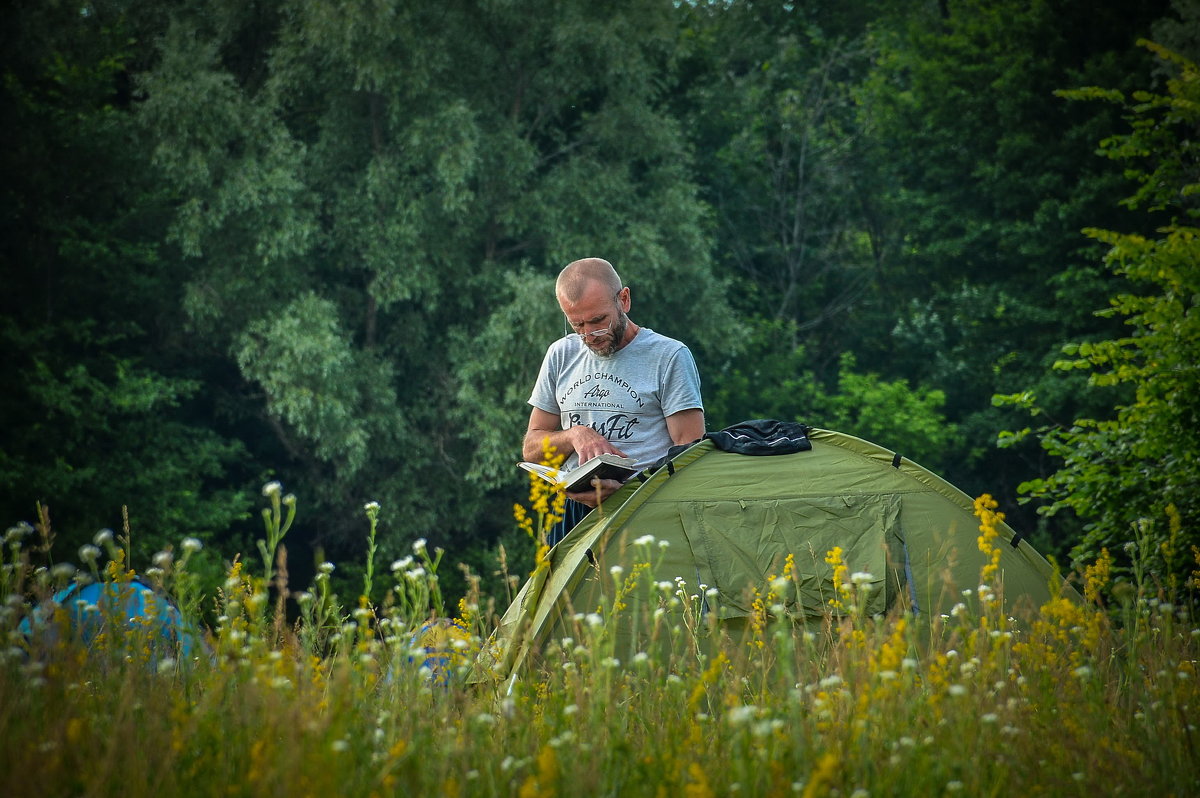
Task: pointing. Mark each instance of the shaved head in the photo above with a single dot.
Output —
(573, 281)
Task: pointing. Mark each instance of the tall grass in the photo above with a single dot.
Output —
(1069, 699)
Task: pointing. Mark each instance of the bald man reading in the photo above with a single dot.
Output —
(611, 386)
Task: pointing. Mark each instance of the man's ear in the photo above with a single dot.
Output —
(623, 299)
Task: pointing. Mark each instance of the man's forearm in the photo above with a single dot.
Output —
(533, 447)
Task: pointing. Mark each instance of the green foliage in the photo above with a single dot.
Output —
(891, 413)
(1138, 467)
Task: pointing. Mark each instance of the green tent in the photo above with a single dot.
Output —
(729, 521)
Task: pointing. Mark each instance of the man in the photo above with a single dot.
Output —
(611, 386)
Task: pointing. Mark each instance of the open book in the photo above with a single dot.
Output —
(604, 466)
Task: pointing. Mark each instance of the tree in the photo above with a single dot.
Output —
(1132, 474)
(371, 202)
(99, 411)
(985, 178)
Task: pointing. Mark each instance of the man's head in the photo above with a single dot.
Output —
(595, 303)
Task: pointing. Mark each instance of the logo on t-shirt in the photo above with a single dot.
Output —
(617, 427)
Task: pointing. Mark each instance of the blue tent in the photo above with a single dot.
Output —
(130, 608)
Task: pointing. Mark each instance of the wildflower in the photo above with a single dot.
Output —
(371, 507)
(861, 579)
(616, 570)
(326, 567)
(990, 717)
(63, 571)
(743, 714)
(419, 545)
(191, 545)
(15, 533)
(88, 553)
(103, 537)
(662, 544)
(644, 540)
(1082, 672)
(593, 619)
(956, 690)
(272, 489)
(163, 559)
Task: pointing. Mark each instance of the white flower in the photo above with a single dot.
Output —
(326, 567)
(956, 690)
(418, 545)
(191, 545)
(861, 578)
(88, 553)
(644, 540)
(163, 559)
(616, 570)
(593, 619)
(1082, 672)
(102, 537)
(272, 489)
(371, 507)
(739, 715)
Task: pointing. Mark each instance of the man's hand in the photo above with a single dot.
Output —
(601, 490)
(588, 443)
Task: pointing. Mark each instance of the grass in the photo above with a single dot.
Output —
(1073, 699)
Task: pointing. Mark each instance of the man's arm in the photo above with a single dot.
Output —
(686, 425)
(580, 438)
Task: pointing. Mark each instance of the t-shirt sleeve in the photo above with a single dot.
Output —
(543, 396)
(681, 384)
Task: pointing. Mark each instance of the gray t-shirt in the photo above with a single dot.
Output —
(626, 397)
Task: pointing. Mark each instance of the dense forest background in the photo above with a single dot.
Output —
(316, 242)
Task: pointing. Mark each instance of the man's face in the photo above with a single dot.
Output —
(598, 317)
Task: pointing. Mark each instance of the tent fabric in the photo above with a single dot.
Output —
(731, 520)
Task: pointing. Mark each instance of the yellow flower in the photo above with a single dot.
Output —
(989, 520)
(840, 573)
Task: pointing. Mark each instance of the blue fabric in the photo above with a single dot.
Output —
(90, 606)
(573, 513)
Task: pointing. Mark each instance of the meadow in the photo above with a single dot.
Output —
(1077, 697)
